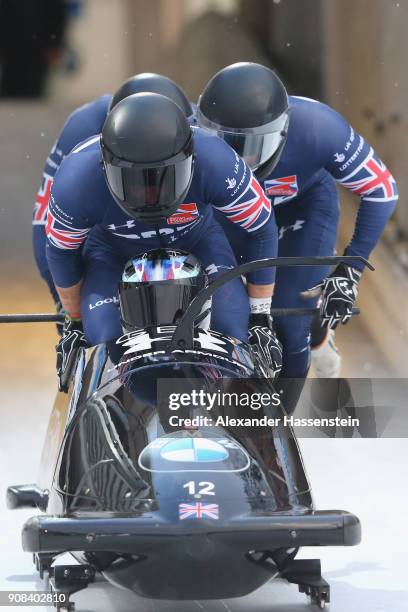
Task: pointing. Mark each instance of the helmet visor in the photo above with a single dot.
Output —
(158, 286)
(158, 303)
(158, 187)
(254, 145)
(149, 191)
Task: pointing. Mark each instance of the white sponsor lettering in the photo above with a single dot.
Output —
(354, 156)
(168, 231)
(241, 182)
(108, 300)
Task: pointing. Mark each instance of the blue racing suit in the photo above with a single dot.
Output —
(321, 149)
(83, 123)
(80, 201)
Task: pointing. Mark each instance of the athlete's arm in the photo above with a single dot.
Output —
(356, 166)
(236, 193)
(260, 291)
(40, 215)
(69, 219)
(66, 232)
(70, 298)
(80, 125)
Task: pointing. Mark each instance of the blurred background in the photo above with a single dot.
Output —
(58, 54)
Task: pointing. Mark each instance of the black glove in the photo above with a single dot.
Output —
(265, 343)
(59, 324)
(72, 340)
(338, 294)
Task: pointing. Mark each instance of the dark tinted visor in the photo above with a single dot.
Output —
(157, 303)
(155, 186)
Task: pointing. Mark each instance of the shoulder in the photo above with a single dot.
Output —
(320, 128)
(309, 113)
(81, 168)
(92, 111)
(79, 188)
(84, 122)
(223, 174)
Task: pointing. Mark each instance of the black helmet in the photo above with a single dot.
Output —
(246, 104)
(147, 149)
(158, 286)
(154, 83)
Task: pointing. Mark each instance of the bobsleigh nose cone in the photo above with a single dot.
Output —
(199, 548)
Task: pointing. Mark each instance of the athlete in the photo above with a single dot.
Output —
(83, 123)
(151, 180)
(298, 149)
(87, 121)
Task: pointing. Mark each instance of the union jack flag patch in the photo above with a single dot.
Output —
(251, 210)
(69, 238)
(372, 178)
(41, 202)
(198, 510)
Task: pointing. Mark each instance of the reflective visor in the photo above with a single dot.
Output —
(149, 191)
(157, 186)
(254, 145)
(152, 267)
(157, 303)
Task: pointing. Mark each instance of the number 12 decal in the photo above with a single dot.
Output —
(203, 488)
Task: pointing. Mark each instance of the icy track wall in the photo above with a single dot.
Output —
(368, 84)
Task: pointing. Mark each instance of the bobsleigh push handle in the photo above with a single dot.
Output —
(32, 318)
(183, 337)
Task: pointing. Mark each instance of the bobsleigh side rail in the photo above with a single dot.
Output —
(142, 533)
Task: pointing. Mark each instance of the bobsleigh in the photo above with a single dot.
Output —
(160, 501)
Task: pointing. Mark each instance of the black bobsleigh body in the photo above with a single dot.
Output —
(175, 501)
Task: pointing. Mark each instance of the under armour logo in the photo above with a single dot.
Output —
(129, 224)
(213, 268)
(298, 225)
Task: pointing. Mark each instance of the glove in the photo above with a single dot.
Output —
(338, 294)
(265, 343)
(59, 324)
(72, 340)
